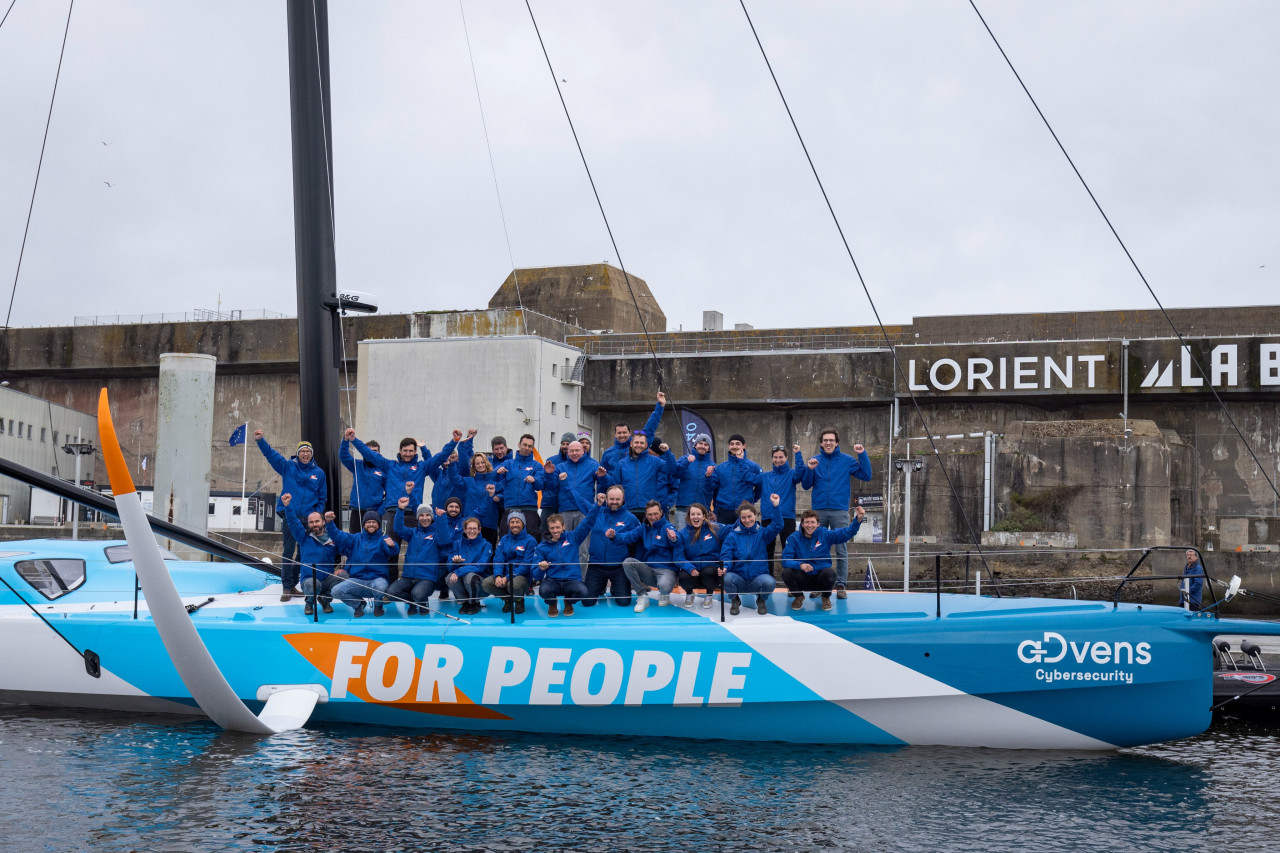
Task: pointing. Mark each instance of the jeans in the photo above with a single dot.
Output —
(325, 580)
(416, 590)
(682, 517)
(834, 519)
(761, 585)
(353, 591)
(643, 577)
(518, 588)
(572, 590)
(289, 568)
(821, 580)
(600, 575)
(468, 586)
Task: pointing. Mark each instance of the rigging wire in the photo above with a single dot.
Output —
(897, 364)
(6, 13)
(625, 275)
(1132, 261)
(39, 164)
(493, 169)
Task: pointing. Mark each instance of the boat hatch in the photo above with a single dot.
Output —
(51, 578)
(121, 554)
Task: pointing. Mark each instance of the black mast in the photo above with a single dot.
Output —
(318, 354)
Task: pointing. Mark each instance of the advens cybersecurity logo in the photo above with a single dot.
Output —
(1056, 649)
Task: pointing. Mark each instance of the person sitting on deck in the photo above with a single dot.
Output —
(319, 557)
(657, 544)
(746, 565)
(430, 545)
(606, 553)
(1193, 587)
(471, 563)
(700, 552)
(806, 558)
(559, 568)
(513, 562)
(367, 553)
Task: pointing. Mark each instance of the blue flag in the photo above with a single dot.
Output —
(238, 436)
(692, 425)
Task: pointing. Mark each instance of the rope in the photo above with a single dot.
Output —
(493, 169)
(866, 290)
(40, 163)
(6, 13)
(1114, 233)
(625, 275)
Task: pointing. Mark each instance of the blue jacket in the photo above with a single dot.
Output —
(518, 552)
(603, 549)
(1195, 572)
(620, 449)
(744, 551)
(429, 547)
(476, 501)
(442, 488)
(654, 546)
(700, 547)
(476, 554)
(693, 484)
(644, 478)
(815, 551)
(578, 490)
(306, 483)
(562, 555)
(398, 472)
(322, 556)
(831, 478)
(736, 480)
(515, 491)
(368, 486)
(782, 481)
(367, 553)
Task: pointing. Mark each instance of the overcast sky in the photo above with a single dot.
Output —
(953, 195)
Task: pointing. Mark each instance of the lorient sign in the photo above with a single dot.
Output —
(1091, 367)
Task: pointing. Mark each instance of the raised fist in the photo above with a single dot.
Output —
(501, 470)
(691, 458)
(328, 516)
(349, 434)
(491, 489)
(408, 486)
(602, 471)
(563, 475)
(600, 498)
(471, 433)
(285, 498)
(858, 448)
(257, 434)
(457, 435)
(711, 469)
(403, 503)
(795, 448)
(813, 462)
(774, 499)
(662, 398)
(609, 534)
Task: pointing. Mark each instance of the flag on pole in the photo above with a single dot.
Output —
(144, 463)
(692, 425)
(238, 437)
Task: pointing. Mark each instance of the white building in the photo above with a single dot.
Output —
(508, 386)
(33, 433)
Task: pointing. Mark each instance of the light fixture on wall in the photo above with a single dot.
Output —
(520, 412)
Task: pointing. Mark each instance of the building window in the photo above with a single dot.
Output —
(566, 410)
(30, 431)
(553, 369)
(55, 436)
(553, 408)
(210, 509)
(43, 435)
(20, 426)
(235, 510)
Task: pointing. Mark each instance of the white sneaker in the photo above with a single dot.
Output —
(664, 598)
(706, 602)
(689, 599)
(642, 601)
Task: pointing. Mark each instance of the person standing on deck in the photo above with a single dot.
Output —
(782, 479)
(735, 481)
(622, 435)
(1192, 588)
(550, 482)
(520, 478)
(368, 482)
(304, 479)
(693, 483)
(832, 469)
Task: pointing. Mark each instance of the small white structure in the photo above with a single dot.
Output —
(507, 385)
(33, 433)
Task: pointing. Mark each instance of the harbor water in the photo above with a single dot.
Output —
(112, 782)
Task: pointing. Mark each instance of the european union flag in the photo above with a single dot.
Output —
(238, 436)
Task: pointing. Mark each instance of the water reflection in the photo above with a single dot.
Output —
(155, 783)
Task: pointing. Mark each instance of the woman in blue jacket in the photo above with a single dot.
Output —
(782, 480)
(482, 495)
(700, 549)
(746, 565)
(471, 563)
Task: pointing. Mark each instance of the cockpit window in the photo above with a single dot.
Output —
(121, 554)
(51, 578)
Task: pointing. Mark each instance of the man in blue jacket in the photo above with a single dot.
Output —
(550, 482)
(558, 568)
(430, 545)
(368, 482)
(693, 483)
(746, 566)
(622, 434)
(319, 555)
(656, 542)
(1192, 587)
(513, 562)
(645, 477)
(806, 558)
(735, 481)
(367, 553)
(521, 476)
(606, 552)
(302, 478)
(831, 495)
